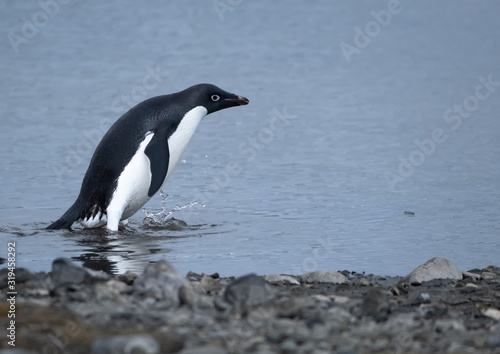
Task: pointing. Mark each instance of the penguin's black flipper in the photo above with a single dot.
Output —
(159, 156)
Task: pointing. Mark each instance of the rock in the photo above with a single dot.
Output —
(324, 277)
(207, 284)
(248, 291)
(363, 282)
(281, 279)
(160, 281)
(490, 272)
(288, 346)
(448, 325)
(128, 277)
(339, 299)
(136, 344)
(65, 273)
(209, 349)
(435, 268)
(376, 305)
(493, 341)
(491, 313)
(417, 298)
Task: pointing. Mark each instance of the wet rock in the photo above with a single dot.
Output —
(137, 344)
(160, 281)
(248, 291)
(324, 277)
(435, 268)
(65, 273)
(281, 279)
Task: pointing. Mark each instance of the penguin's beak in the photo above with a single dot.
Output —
(239, 100)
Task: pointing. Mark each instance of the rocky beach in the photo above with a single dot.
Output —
(72, 309)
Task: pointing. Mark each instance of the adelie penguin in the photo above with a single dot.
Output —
(138, 154)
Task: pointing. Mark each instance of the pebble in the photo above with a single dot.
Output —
(134, 344)
(146, 313)
(324, 277)
(248, 291)
(281, 279)
(162, 282)
(65, 273)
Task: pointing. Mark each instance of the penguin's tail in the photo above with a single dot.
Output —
(66, 220)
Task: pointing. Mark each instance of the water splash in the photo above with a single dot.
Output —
(164, 216)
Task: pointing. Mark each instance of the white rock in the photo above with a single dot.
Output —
(491, 313)
(435, 268)
(281, 279)
(322, 276)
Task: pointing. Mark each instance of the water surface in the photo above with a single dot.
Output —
(316, 173)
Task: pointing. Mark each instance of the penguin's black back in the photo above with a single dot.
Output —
(124, 137)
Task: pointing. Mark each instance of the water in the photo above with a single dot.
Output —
(295, 181)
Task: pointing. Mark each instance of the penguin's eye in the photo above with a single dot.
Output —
(215, 98)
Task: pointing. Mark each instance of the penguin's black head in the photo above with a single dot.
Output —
(214, 98)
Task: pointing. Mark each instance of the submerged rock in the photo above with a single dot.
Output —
(435, 268)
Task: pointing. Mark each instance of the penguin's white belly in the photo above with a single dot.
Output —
(179, 140)
(132, 188)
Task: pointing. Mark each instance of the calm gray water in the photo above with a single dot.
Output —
(359, 111)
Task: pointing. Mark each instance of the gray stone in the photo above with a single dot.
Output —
(363, 282)
(65, 273)
(160, 281)
(435, 268)
(128, 277)
(248, 291)
(281, 279)
(209, 349)
(136, 344)
(375, 304)
(490, 272)
(325, 277)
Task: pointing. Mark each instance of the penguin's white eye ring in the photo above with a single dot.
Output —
(215, 98)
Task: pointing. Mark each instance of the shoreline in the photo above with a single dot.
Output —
(72, 309)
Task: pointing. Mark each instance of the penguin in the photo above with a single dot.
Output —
(139, 153)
